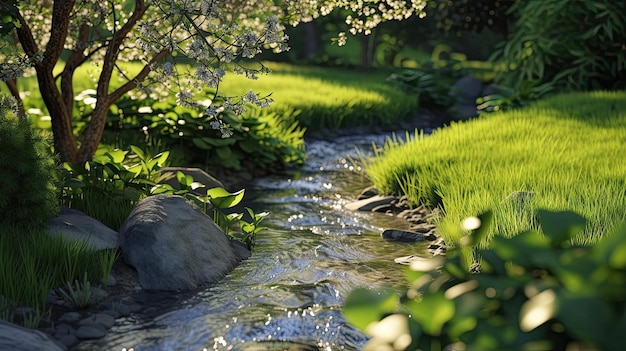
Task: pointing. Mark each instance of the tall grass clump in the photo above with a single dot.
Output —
(33, 262)
(27, 192)
(562, 153)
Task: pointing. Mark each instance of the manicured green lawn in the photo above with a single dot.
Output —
(567, 152)
(324, 97)
(328, 97)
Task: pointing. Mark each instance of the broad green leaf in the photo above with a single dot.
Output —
(432, 311)
(365, 306)
(184, 180)
(221, 198)
(138, 151)
(162, 157)
(117, 155)
(561, 226)
(136, 169)
(527, 248)
(612, 248)
(585, 318)
(201, 143)
(224, 153)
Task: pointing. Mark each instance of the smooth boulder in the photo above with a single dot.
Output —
(16, 338)
(174, 246)
(75, 226)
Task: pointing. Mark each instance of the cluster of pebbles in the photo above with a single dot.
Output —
(421, 220)
(70, 324)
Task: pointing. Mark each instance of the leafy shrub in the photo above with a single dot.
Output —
(577, 45)
(534, 291)
(432, 83)
(505, 98)
(108, 186)
(220, 200)
(261, 138)
(27, 193)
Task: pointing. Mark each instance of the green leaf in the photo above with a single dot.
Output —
(137, 151)
(365, 306)
(561, 226)
(184, 180)
(201, 143)
(117, 155)
(221, 198)
(162, 157)
(612, 248)
(585, 318)
(432, 311)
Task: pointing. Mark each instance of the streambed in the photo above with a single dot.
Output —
(291, 290)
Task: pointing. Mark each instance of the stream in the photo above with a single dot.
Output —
(288, 295)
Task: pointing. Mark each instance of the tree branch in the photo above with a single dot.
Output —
(140, 77)
(58, 32)
(75, 59)
(113, 51)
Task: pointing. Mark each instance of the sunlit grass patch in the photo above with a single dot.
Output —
(567, 152)
(328, 97)
(325, 97)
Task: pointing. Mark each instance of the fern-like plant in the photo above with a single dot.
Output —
(27, 192)
(79, 294)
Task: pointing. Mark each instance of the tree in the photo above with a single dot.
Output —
(218, 36)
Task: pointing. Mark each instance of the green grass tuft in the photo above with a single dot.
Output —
(33, 262)
(567, 152)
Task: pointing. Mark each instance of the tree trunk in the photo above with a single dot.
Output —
(63, 134)
(367, 51)
(312, 45)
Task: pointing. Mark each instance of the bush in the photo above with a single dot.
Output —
(108, 187)
(261, 138)
(27, 192)
(534, 291)
(576, 45)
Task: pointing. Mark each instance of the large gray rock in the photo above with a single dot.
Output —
(75, 225)
(16, 338)
(465, 91)
(174, 246)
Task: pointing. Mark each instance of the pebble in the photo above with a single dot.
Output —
(100, 319)
(70, 317)
(87, 332)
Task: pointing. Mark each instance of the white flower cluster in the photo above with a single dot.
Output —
(220, 36)
(364, 15)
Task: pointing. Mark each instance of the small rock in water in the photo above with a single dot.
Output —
(408, 259)
(87, 332)
(278, 346)
(70, 317)
(101, 319)
(402, 235)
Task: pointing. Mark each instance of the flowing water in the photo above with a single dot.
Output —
(291, 290)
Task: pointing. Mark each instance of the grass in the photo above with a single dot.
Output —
(328, 97)
(562, 153)
(32, 263)
(325, 97)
